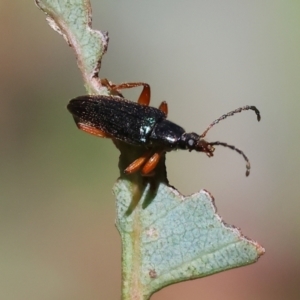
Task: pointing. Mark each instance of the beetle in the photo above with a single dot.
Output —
(139, 124)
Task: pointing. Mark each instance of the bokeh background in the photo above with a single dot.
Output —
(57, 233)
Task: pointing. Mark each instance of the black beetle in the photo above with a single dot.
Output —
(141, 125)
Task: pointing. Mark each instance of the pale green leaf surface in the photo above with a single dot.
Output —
(73, 19)
(176, 238)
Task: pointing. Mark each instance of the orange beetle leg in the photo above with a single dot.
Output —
(164, 107)
(145, 95)
(144, 98)
(136, 165)
(151, 164)
(92, 130)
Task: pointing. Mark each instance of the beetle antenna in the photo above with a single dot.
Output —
(231, 113)
(237, 150)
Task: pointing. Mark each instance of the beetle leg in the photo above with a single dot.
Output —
(144, 98)
(92, 130)
(110, 86)
(151, 164)
(137, 164)
(164, 107)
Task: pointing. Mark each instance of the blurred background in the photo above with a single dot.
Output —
(57, 211)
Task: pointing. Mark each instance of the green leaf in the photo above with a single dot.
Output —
(175, 238)
(73, 20)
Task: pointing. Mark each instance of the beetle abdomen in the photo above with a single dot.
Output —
(123, 119)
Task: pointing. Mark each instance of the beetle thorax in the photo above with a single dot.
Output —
(166, 135)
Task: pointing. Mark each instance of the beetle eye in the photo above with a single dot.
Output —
(191, 142)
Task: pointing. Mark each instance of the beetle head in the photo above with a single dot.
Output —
(192, 141)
